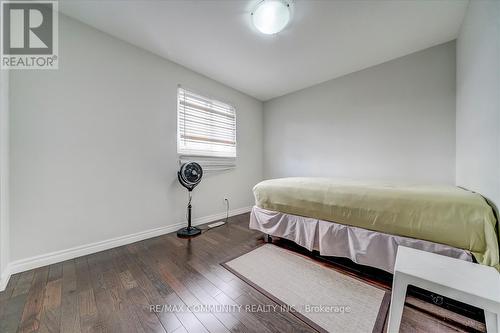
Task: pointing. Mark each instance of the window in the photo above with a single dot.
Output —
(205, 127)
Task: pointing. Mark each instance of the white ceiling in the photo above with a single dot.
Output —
(324, 40)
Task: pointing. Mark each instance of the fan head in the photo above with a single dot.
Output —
(190, 175)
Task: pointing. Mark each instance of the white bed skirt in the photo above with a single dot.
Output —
(362, 246)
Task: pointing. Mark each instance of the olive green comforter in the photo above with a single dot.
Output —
(441, 214)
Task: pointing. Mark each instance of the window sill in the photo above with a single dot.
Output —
(210, 163)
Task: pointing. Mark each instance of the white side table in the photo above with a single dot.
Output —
(470, 283)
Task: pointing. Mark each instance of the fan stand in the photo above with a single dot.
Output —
(189, 231)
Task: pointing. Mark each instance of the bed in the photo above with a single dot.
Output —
(366, 222)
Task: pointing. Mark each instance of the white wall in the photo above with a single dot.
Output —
(394, 121)
(94, 146)
(478, 100)
(4, 176)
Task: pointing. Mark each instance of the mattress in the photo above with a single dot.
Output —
(441, 214)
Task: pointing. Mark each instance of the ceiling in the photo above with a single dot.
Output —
(324, 40)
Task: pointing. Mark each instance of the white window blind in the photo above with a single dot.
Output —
(205, 127)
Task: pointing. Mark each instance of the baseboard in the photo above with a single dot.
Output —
(22, 265)
(4, 279)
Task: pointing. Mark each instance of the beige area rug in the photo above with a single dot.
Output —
(326, 299)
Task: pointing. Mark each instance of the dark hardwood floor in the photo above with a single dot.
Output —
(112, 291)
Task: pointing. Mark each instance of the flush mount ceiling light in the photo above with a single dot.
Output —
(271, 16)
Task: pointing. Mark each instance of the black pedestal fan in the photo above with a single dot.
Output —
(189, 176)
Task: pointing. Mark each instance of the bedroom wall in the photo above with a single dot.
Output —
(478, 100)
(4, 177)
(394, 121)
(94, 148)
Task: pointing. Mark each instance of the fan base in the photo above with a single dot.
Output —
(188, 232)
